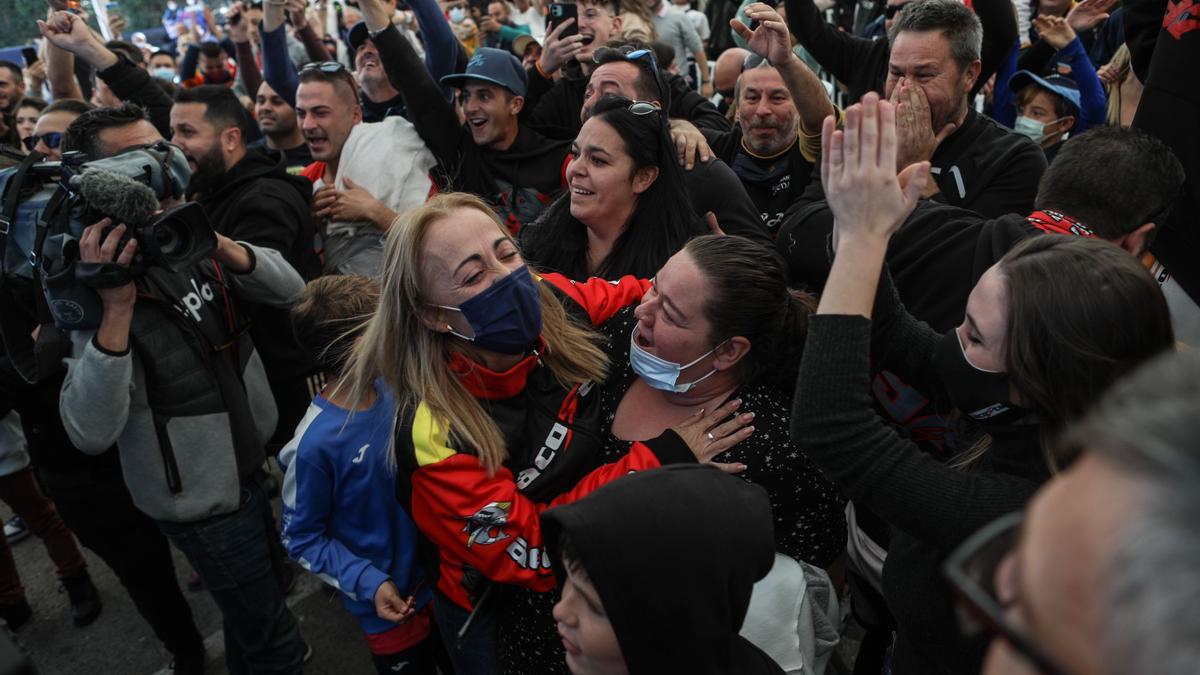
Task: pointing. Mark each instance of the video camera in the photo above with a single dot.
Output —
(46, 205)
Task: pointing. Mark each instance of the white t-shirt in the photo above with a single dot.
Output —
(533, 18)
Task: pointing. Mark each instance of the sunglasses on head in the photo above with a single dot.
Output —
(643, 108)
(892, 10)
(635, 56)
(971, 570)
(52, 140)
(329, 67)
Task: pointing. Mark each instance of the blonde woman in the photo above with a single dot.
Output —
(497, 417)
(1124, 89)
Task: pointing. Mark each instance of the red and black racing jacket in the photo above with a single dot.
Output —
(480, 527)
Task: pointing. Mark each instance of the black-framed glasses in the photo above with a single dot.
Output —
(892, 10)
(328, 67)
(643, 108)
(971, 570)
(52, 139)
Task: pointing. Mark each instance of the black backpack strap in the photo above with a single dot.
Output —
(10, 201)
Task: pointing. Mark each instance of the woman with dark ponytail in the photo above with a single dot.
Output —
(720, 324)
(626, 209)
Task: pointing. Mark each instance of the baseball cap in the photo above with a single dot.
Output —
(492, 65)
(358, 34)
(1063, 86)
(521, 43)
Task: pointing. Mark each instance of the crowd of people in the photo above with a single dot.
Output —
(620, 336)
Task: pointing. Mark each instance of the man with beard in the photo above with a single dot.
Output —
(777, 102)
(250, 197)
(552, 106)
(281, 133)
(977, 164)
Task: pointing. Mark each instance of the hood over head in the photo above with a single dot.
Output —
(674, 554)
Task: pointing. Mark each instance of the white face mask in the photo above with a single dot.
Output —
(660, 373)
(458, 14)
(1027, 126)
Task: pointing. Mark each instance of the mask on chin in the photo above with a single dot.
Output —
(662, 374)
(981, 394)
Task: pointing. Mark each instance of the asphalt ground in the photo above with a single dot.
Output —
(120, 642)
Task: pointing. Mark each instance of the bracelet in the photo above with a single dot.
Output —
(538, 64)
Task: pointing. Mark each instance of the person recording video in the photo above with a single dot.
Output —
(172, 377)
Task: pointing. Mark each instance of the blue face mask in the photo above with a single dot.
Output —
(1031, 128)
(507, 317)
(660, 373)
(164, 73)
(457, 14)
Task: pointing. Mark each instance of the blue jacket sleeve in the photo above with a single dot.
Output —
(277, 67)
(307, 505)
(1093, 102)
(1004, 109)
(441, 47)
(187, 67)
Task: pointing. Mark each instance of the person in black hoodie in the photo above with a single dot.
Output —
(250, 195)
(666, 594)
(934, 63)
(1032, 355)
(515, 169)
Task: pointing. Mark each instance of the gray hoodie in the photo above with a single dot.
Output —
(104, 401)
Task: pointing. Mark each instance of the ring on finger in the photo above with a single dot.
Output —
(711, 439)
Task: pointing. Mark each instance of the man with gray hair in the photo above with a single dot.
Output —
(1101, 577)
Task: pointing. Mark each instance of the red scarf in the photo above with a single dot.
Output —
(1058, 223)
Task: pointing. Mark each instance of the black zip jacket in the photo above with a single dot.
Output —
(134, 85)
(258, 202)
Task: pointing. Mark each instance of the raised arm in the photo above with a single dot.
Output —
(297, 11)
(770, 40)
(999, 32)
(441, 47)
(428, 110)
(278, 69)
(239, 34)
(838, 52)
(60, 73)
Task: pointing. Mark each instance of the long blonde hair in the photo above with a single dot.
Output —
(412, 360)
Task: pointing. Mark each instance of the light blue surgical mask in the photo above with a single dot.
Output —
(660, 373)
(164, 73)
(1027, 126)
(458, 14)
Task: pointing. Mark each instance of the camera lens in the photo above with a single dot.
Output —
(170, 240)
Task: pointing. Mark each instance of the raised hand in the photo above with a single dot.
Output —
(869, 199)
(914, 125)
(771, 39)
(1089, 14)
(1054, 30)
(297, 11)
(239, 26)
(65, 31)
(557, 51)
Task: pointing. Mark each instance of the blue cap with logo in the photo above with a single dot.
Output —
(1058, 84)
(492, 65)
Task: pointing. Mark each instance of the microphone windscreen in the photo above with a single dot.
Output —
(123, 199)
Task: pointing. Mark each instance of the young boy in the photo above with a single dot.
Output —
(656, 571)
(1047, 108)
(340, 516)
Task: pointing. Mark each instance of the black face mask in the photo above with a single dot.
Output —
(981, 394)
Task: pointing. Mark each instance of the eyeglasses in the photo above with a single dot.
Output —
(52, 140)
(971, 571)
(328, 67)
(892, 10)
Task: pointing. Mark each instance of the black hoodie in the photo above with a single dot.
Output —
(674, 554)
(258, 202)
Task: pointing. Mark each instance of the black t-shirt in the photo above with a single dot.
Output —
(296, 158)
(773, 183)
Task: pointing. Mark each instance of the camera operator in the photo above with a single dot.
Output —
(250, 196)
(171, 378)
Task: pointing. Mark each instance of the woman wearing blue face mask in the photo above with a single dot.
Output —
(1047, 329)
(494, 371)
(719, 324)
